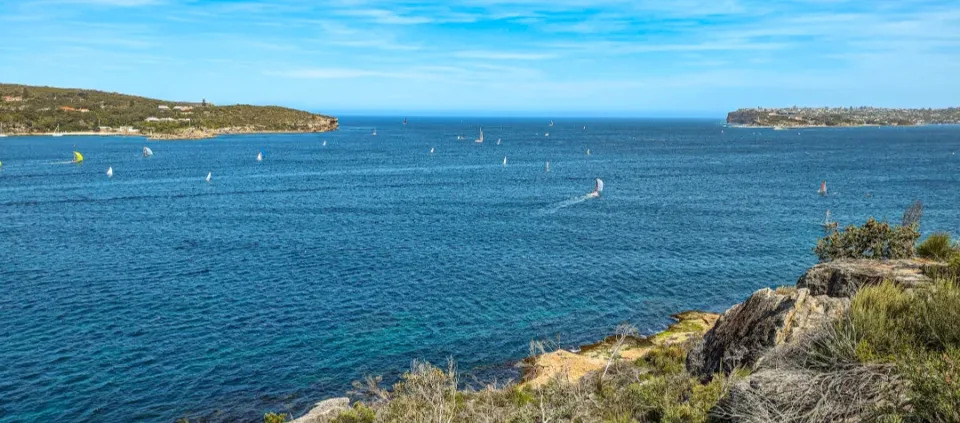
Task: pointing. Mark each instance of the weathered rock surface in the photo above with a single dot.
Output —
(324, 411)
(768, 318)
(842, 278)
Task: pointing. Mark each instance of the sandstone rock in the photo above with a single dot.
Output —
(324, 411)
(767, 319)
(842, 278)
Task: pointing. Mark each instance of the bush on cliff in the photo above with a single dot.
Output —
(655, 388)
(873, 240)
(937, 247)
(894, 357)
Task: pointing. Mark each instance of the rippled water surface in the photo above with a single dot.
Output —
(155, 295)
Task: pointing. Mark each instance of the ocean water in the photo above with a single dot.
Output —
(154, 295)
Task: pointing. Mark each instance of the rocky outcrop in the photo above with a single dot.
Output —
(842, 278)
(748, 330)
(324, 411)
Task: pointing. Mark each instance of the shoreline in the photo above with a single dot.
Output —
(161, 137)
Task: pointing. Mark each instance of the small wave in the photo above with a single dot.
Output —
(553, 208)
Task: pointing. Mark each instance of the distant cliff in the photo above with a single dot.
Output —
(851, 116)
(29, 110)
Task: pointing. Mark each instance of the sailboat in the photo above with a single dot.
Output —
(598, 188)
(548, 166)
(56, 132)
(147, 152)
(324, 143)
(431, 150)
(479, 140)
(209, 176)
(498, 141)
(110, 172)
(404, 121)
(260, 156)
(77, 157)
(504, 160)
(374, 132)
(823, 188)
(1, 131)
(551, 123)
(588, 151)
(546, 134)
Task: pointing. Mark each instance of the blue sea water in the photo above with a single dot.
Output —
(154, 295)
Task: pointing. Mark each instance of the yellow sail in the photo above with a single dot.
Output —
(77, 157)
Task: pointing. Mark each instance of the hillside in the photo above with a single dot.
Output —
(27, 110)
(841, 116)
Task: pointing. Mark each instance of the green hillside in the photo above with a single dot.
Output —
(34, 110)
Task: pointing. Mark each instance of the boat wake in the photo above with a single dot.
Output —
(63, 162)
(553, 208)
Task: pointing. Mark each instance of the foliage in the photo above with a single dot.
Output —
(360, 413)
(937, 247)
(912, 215)
(873, 240)
(274, 418)
(42, 109)
(656, 388)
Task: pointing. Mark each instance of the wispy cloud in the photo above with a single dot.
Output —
(504, 55)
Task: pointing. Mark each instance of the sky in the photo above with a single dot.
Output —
(618, 58)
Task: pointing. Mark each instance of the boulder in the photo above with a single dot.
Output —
(842, 278)
(325, 411)
(745, 332)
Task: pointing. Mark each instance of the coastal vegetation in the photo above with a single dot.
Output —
(841, 116)
(26, 110)
(887, 351)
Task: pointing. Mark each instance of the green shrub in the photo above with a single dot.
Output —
(873, 240)
(274, 418)
(934, 386)
(664, 360)
(358, 414)
(937, 247)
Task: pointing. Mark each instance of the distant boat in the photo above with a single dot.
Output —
(209, 176)
(584, 127)
(597, 188)
(110, 172)
(374, 132)
(431, 150)
(498, 141)
(404, 121)
(551, 123)
(260, 156)
(546, 134)
(56, 132)
(1, 131)
(147, 152)
(77, 157)
(548, 166)
(459, 137)
(504, 160)
(823, 188)
(479, 140)
(588, 151)
(826, 220)
(324, 144)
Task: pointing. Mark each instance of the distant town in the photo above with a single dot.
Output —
(793, 117)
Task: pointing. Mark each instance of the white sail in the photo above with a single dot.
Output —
(110, 172)
(480, 140)
(504, 160)
(260, 156)
(551, 123)
(431, 150)
(56, 132)
(147, 152)
(599, 186)
(826, 221)
(324, 143)
(588, 151)
(374, 132)
(546, 134)
(209, 176)
(498, 141)
(548, 166)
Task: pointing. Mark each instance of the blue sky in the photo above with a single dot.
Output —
(494, 57)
